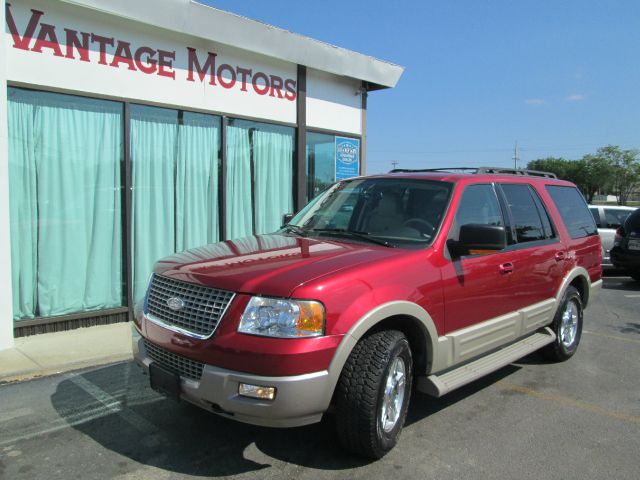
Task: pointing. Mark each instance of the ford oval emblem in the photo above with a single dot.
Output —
(175, 303)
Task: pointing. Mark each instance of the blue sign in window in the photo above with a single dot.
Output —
(347, 157)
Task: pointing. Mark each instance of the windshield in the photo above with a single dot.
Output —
(388, 211)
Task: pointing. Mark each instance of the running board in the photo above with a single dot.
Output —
(438, 385)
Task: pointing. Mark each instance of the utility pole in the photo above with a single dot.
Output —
(395, 164)
(516, 157)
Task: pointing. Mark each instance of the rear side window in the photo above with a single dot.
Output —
(615, 217)
(524, 213)
(573, 210)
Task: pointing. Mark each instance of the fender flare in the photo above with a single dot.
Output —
(368, 321)
(577, 272)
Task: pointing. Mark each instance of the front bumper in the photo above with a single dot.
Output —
(300, 399)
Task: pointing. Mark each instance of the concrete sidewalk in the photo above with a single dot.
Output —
(51, 353)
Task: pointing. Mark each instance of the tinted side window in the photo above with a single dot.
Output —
(549, 231)
(596, 216)
(524, 213)
(478, 205)
(615, 217)
(573, 210)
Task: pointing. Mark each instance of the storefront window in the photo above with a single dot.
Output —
(329, 156)
(175, 169)
(320, 162)
(65, 160)
(259, 182)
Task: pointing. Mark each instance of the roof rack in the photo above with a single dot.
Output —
(480, 170)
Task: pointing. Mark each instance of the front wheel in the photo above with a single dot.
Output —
(372, 395)
(567, 325)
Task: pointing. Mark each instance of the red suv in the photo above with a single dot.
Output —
(425, 279)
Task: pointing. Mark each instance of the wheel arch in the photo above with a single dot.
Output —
(578, 278)
(407, 317)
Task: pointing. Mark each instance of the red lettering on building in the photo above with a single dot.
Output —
(290, 87)
(148, 65)
(258, 88)
(226, 82)
(123, 55)
(165, 63)
(22, 42)
(194, 63)
(81, 46)
(38, 36)
(102, 42)
(276, 86)
(47, 39)
(245, 75)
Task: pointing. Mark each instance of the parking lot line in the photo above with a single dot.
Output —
(614, 337)
(569, 402)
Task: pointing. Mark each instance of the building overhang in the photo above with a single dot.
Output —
(226, 28)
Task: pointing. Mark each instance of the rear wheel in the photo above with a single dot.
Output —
(567, 325)
(372, 395)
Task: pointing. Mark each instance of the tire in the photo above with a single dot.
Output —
(370, 416)
(567, 325)
(636, 275)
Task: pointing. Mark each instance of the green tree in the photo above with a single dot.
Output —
(576, 171)
(594, 174)
(556, 165)
(625, 170)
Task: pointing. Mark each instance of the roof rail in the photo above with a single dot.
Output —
(480, 170)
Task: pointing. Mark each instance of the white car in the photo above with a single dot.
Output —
(608, 219)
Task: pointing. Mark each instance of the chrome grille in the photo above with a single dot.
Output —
(182, 365)
(201, 307)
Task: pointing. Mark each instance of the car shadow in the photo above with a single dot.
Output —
(115, 407)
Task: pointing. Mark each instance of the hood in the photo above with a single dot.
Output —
(272, 265)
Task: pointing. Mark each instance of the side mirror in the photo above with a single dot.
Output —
(478, 239)
(286, 218)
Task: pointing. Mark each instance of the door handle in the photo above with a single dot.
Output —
(559, 256)
(506, 268)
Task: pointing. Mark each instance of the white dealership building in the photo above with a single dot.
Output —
(137, 129)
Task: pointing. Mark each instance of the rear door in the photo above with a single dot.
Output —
(538, 255)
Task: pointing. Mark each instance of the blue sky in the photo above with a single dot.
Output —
(560, 77)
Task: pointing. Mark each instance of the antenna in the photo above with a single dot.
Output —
(516, 157)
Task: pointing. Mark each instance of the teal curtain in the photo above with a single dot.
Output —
(197, 181)
(23, 205)
(273, 160)
(239, 219)
(65, 194)
(175, 163)
(154, 141)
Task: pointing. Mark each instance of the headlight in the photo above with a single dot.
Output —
(273, 317)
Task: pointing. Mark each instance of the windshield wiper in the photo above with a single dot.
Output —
(353, 233)
(295, 229)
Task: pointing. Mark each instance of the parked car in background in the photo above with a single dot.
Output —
(608, 219)
(626, 246)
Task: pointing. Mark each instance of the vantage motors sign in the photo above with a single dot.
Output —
(62, 46)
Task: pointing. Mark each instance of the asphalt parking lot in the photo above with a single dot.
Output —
(575, 420)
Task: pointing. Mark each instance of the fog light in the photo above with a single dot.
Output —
(257, 391)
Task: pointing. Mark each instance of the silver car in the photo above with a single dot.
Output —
(608, 218)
